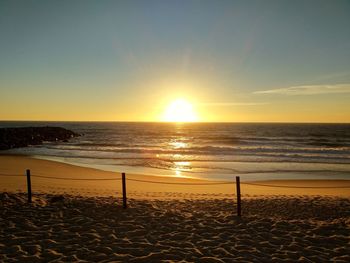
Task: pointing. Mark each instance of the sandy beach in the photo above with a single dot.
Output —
(97, 229)
(83, 221)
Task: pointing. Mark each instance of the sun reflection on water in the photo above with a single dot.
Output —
(177, 156)
(180, 167)
(178, 144)
(178, 173)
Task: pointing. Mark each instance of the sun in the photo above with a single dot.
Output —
(180, 110)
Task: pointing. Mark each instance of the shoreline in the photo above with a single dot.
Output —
(15, 164)
(247, 170)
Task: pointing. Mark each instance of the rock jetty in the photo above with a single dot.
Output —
(24, 136)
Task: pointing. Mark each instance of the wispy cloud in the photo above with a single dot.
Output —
(227, 104)
(309, 90)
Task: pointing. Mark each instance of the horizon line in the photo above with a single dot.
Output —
(167, 122)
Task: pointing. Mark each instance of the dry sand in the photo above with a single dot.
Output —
(98, 229)
(166, 223)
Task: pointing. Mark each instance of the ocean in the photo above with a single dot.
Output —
(216, 151)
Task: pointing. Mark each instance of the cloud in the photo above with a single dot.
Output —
(225, 104)
(309, 90)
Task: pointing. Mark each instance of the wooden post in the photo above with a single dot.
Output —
(124, 190)
(29, 186)
(238, 189)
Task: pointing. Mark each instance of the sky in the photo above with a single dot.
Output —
(234, 61)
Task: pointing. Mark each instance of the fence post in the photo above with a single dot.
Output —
(124, 190)
(29, 186)
(238, 189)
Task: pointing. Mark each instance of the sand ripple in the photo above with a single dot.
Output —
(274, 229)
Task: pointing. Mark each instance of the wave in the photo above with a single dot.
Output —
(229, 141)
(214, 168)
(323, 153)
(190, 158)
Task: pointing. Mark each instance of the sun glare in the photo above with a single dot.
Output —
(180, 110)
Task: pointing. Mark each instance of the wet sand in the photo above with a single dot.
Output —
(17, 165)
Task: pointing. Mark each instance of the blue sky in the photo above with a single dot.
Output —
(116, 60)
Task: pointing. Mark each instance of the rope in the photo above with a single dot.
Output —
(173, 183)
(287, 186)
(222, 183)
(158, 182)
(76, 179)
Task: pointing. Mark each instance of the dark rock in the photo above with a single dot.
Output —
(23, 137)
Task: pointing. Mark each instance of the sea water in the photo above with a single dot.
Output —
(217, 151)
